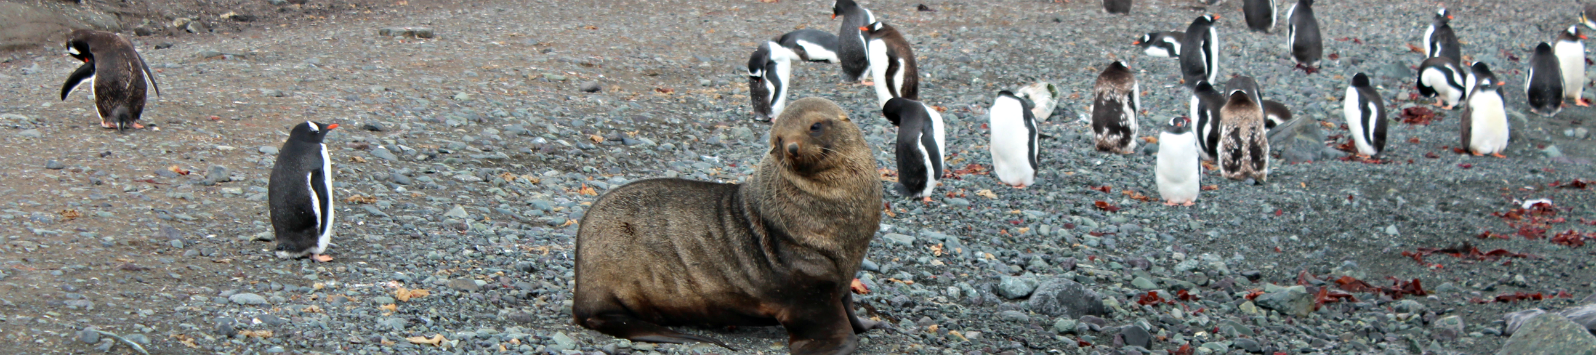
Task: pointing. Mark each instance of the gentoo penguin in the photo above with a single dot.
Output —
(920, 146)
(115, 72)
(1303, 34)
(1202, 46)
(1116, 97)
(1439, 40)
(1249, 86)
(769, 68)
(1043, 97)
(811, 45)
(300, 193)
(1161, 44)
(1260, 14)
(1570, 53)
(1484, 124)
(1365, 114)
(1588, 16)
(1177, 172)
(1443, 80)
(1243, 144)
(850, 40)
(1013, 143)
(1544, 84)
(1205, 104)
(1117, 6)
(891, 63)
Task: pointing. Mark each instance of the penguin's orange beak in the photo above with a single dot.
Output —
(1216, 16)
(1582, 36)
(332, 126)
(864, 28)
(1449, 17)
(1137, 42)
(1499, 83)
(833, 16)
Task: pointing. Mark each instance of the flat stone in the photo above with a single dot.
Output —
(1550, 333)
(1014, 316)
(247, 299)
(384, 154)
(1059, 296)
(464, 285)
(457, 212)
(900, 239)
(1135, 336)
(592, 86)
(1293, 300)
(413, 32)
(1016, 287)
(1143, 283)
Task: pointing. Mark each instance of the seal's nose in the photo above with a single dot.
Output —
(792, 148)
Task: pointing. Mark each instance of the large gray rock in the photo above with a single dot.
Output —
(1550, 333)
(1016, 287)
(1063, 297)
(1585, 316)
(1517, 319)
(1293, 300)
(23, 25)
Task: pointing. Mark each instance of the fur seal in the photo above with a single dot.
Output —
(780, 249)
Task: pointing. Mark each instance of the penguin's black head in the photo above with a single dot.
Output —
(1360, 80)
(1146, 39)
(873, 28)
(1209, 18)
(896, 108)
(1119, 65)
(1543, 49)
(1178, 125)
(311, 132)
(1572, 34)
(78, 48)
(756, 62)
(841, 7)
(1442, 16)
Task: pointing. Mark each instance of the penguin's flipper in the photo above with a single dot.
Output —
(84, 72)
(147, 73)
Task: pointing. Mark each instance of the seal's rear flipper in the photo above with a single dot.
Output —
(860, 325)
(624, 326)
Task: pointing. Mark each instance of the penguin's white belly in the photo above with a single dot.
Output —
(1488, 124)
(818, 53)
(1355, 122)
(1156, 51)
(1571, 57)
(1010, 145)
(877, 53)
(1177, 170)
(783, 72)
(1437, 80)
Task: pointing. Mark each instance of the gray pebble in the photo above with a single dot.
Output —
(591, 86)
(54, 165)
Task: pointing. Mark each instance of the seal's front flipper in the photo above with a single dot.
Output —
(624, 326)
(859, 325)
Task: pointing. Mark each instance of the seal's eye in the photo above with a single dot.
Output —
(815, 128)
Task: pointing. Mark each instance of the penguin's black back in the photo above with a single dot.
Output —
(1259, 14)
(1306, 45)
(818, 37)
(850, 43)
(1545, 87)
(1209, 101)
(1193, 65)
(1446, 39)
(294, 176)
(1376, 116)
(120, 76)
(1117, 6)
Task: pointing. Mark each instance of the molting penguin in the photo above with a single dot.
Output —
(1243, 145)
(1161, 44)
(1439, 40)
(1544, 84)
(300, 193)
(1117, 6)
(769, 69)
(1014, 140)
(1201, 49)
(1443, 80)
(116, 73)
(1303, 36)
(1116, 97)
(1484, 123)
(1177, 172)
(920, 146)
(1365, 114)
(1260, 14)
(891, 63)
(1571, 55)
(1205, 104)
(850, 40)
(811, 45)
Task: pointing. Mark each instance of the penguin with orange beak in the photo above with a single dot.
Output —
(850, 40)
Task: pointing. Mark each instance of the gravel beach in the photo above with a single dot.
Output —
(474, 135)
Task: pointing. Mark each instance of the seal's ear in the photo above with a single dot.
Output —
(842, 117)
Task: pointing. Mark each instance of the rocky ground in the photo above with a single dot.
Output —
(464, 161)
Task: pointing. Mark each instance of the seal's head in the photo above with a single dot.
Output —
(811, 135)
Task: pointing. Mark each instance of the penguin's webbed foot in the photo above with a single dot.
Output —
(1189, 203)
(868, 83)
(1170, 203)
(1476, 153)
(136, 125)
(1584, 102)
(926, 199)
(321, 257)
(1498, 155)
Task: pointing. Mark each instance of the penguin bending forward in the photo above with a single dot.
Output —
(1014, 140)
(1161, 44)
(300, 193)
(1116, 97)
(1443, 80)
(811, 45)
(769, 69)
(116, 74)
(1205, 104)
(920, 146)
(1484, 123)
